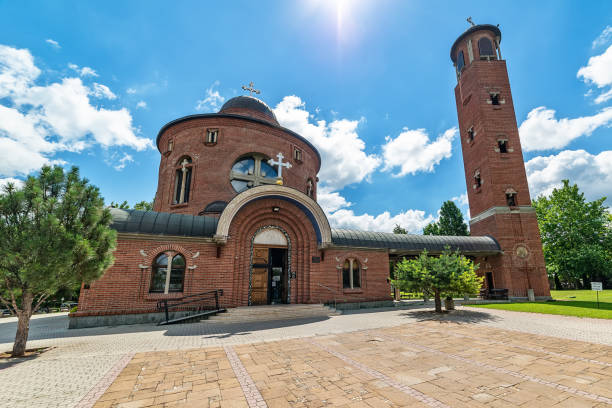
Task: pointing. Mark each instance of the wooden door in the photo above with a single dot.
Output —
(259, 279)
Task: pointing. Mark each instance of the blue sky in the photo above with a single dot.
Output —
(369, 82)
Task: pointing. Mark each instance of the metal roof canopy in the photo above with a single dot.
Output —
(159, 223)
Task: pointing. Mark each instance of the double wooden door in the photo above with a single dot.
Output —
(269, 275)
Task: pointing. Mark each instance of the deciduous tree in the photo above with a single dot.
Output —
(576, 236)
(446, 275)
(450, 222)
(54, 233)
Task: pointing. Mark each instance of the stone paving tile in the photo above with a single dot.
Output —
(81, 358)
(417, 365)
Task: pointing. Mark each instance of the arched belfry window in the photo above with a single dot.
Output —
(460, 62)
(182, 184)
(351, 274)
(251, 171)
(168, 273)
(485, 48)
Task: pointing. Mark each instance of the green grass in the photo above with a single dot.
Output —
(580, 303)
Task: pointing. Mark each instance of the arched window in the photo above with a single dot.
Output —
(485, 48)
(460, 61)
(309, 188)
(351, 274)
(250, 171)
(168, 276)
(182, 185)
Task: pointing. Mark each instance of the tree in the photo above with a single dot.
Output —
(450, 222)
(399, 230)
(124, 205)
(53, 234)
(144, 206)
(449, 274)
(576, 236)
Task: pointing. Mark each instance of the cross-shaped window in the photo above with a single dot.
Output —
(252, 171)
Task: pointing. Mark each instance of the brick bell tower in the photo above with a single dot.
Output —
(498, 194)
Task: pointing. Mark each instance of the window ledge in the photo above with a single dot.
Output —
(162, 296)
(352, 291)
(182, 205)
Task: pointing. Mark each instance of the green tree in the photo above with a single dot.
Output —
(399, 230)
(576, 236)
(124, 205)
(449, 274)
(53, 234)
(144, 206)
(450, 222)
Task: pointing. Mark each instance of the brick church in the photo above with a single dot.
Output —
(236, 211)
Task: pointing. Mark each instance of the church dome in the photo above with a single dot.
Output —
(249, 106)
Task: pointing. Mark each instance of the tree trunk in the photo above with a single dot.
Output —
(438, 301)
(23, 325)
(557, 282)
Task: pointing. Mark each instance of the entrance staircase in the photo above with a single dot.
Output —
(249, 314)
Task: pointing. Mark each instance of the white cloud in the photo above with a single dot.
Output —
(17, 70)
(542, 131)
(344, 160)
(604, 37)
(212, 101)
(85, 71)
(412, 151)
(131, 91)
(37, 122)
(412, 220)
(52, 43)
(592, 173)
(598, 72)
(102, 91)
(604, 97)
(331, 201)
(141, 105)
(123, 161)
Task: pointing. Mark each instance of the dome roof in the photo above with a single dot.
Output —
(249, 106)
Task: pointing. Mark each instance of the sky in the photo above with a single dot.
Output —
(369, 82)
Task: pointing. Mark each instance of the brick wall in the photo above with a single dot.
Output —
(125, 286)
(212, 164)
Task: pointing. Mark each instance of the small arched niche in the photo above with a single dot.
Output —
(270, 236)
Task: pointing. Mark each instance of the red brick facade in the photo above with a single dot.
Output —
(212, 163)
(125, 287)
(483, 124)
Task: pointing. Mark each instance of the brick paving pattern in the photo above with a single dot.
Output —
(575, 353)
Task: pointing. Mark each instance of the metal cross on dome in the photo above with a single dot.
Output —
(280, 164)
(251, 89)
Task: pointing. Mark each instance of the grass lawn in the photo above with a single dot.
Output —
(581, 303)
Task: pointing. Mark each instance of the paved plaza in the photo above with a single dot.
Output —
(385, 358)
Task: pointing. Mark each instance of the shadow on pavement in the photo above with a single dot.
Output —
(455, 316)
(53, 327)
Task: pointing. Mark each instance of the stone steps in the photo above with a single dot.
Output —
(246, 314)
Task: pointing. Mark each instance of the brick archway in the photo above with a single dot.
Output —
(307, 205)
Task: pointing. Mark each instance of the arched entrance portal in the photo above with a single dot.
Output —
(270, 275)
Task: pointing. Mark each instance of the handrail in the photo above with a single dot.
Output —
(199, 297)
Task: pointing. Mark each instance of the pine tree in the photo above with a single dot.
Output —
(54, 233)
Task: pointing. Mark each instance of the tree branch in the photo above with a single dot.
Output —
(41, 299)
(7, 304)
